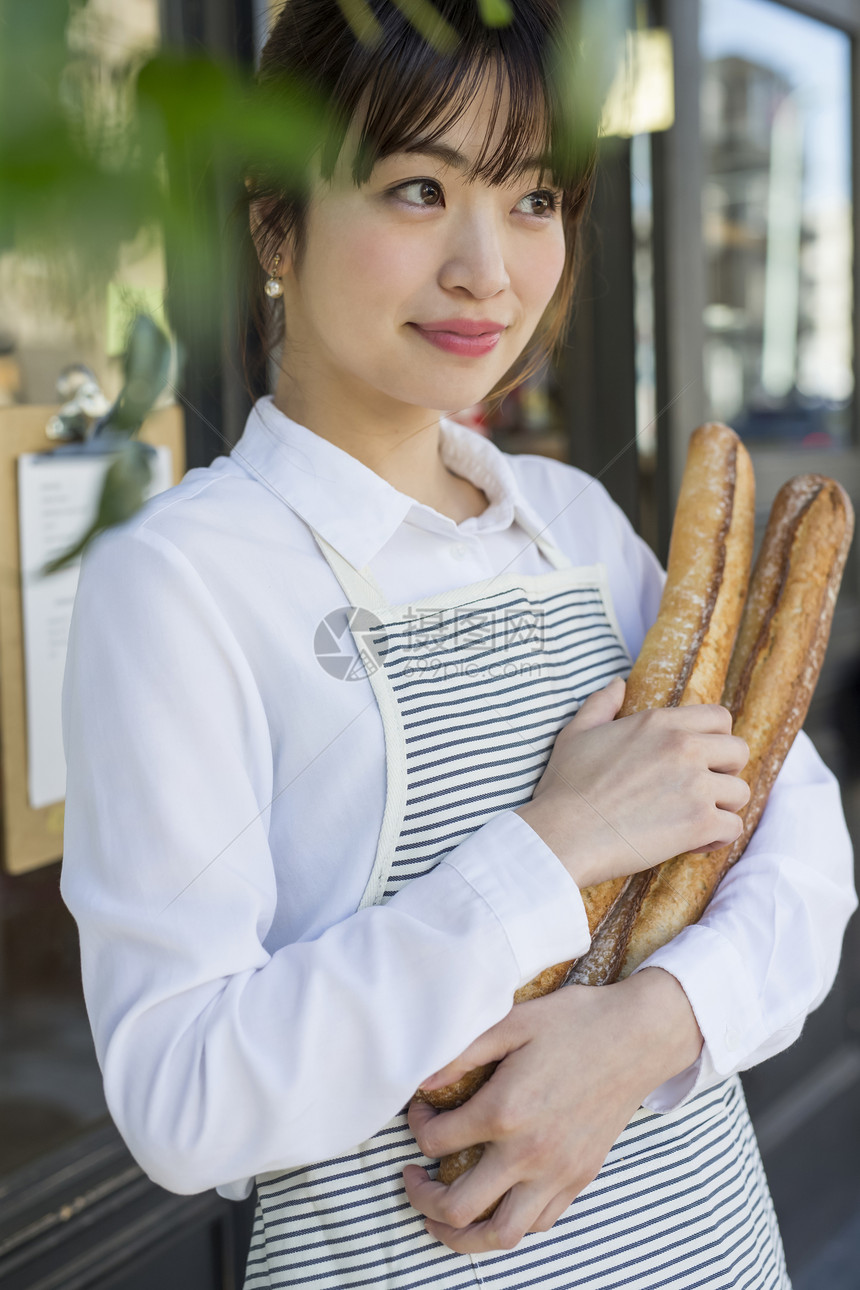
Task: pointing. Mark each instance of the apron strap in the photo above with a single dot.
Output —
(359, 585)
(546, 546)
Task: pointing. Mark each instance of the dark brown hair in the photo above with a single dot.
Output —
(397, 88)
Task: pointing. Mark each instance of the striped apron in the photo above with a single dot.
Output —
(473, 686)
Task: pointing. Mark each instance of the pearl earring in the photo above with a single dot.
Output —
(274, 287)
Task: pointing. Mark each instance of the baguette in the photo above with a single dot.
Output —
(684, 659)
(685, 655)
(772, 676)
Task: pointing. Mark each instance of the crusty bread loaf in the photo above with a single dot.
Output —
(685, 655)
(773, 672)
(686, 652)
(684, 659)
(771, 678)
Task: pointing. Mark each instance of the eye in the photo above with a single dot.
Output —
(543, 202)
(420, 192)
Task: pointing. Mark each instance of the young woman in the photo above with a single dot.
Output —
(338, 720)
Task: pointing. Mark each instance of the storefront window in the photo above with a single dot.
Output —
(50, 1083)
(776, 103)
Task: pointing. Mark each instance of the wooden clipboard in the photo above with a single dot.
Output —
(32, 837)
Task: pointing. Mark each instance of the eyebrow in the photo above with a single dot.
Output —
(458, 161)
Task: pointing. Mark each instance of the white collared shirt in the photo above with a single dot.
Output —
(225, 794)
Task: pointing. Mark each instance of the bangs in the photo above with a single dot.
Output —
(402, 90)
(430, 99)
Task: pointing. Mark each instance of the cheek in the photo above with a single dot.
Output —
(538, 270)
(365, 265)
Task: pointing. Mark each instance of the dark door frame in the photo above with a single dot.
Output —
(212, 387)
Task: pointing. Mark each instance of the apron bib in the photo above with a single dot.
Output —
(473, 686)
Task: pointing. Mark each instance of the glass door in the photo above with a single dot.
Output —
(755, 286)
(777, 235)
(776, 225)
(779, 342)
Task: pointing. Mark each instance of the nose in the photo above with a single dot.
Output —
(474, 257)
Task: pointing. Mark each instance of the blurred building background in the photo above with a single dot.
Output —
(720, 284)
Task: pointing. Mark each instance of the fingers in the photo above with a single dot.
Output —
(710, 718)
(418, 1116)
(441, 1133)
(553, 1211)
(601, 706)
(520, 1209)
(730, 793)
(457, 1206)
(726, 753)
(729, 827)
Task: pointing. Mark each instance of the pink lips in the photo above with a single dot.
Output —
(462, 335)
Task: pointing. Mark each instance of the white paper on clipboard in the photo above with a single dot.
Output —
(57, 498)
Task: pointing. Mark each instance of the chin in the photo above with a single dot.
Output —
(446, 401)
(447, 395)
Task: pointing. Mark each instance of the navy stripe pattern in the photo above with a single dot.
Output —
(483, 689)
(681, 1202)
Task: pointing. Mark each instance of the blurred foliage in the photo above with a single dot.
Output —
(91, 155)
(496, 13)
(85, 158)
(145, 368)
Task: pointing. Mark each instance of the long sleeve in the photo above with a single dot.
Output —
(220, 1059)
(766, 951)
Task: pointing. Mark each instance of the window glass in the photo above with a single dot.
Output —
(776, 102)
(50, 1084)
(51, 315)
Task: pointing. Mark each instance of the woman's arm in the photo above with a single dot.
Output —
(221, 1059)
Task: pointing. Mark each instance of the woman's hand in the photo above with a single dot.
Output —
(620, 796)
(573, 1068)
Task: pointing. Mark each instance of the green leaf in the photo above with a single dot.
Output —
(147, 362)
(123, 493)
(496, 13)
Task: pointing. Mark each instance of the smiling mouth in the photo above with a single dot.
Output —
(465, 341)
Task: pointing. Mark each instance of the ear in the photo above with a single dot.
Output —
(259, 212)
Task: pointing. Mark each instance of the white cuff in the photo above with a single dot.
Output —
(710, 971)
(528, 889)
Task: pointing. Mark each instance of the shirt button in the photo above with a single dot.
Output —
(458, 551)
(733, 1039)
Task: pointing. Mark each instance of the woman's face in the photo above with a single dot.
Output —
(419, 287)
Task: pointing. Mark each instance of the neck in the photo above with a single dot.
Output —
(399, 442)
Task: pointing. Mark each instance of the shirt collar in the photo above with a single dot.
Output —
(352, 507)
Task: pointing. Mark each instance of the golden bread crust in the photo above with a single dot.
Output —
(773, 673)
(685, 655)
